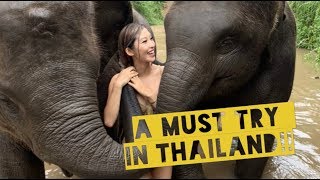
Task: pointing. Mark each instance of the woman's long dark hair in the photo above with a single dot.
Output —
(127, 37)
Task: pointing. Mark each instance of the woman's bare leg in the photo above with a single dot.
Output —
(162, 172)
(146, 176)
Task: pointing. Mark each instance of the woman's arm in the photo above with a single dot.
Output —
(111, 110)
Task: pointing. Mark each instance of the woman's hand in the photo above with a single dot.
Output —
(138, 85)
(125, 75)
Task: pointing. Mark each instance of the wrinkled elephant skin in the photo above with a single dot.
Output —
(51, 60)
(49, 66)
(226, 54)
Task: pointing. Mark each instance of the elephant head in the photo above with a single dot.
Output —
(225, 54)
(49, 66)
(109, 24)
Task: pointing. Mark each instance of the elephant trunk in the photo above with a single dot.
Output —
(73, 136)
(184, 81)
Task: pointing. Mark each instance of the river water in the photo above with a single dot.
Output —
(305, 163)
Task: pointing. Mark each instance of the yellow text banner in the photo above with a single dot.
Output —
(211, 135)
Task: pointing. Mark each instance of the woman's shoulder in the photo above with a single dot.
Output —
(158, 68)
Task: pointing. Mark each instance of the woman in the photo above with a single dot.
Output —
(137, 52)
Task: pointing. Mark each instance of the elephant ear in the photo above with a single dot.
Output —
(279, 15)
(138, 18)
(281, 53)
(274, 80)
(110, 18)
(282, 34)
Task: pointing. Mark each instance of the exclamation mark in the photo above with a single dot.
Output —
(290, 140)
(283, 148)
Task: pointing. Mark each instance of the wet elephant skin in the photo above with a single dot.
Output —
(52, 55)
(227, 54)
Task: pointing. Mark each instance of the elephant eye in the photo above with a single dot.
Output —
(44, 29)
(227, 44)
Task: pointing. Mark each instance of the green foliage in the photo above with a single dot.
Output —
(307, 14)
(314, 56)
(151, 10)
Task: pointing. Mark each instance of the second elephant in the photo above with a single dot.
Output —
(226, 54)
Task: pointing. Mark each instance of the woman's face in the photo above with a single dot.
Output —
(144, 46)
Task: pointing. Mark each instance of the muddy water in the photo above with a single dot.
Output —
(305, 163)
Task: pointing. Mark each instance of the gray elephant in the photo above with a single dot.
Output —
(50, 61)
(226, 54)
(109, 23)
